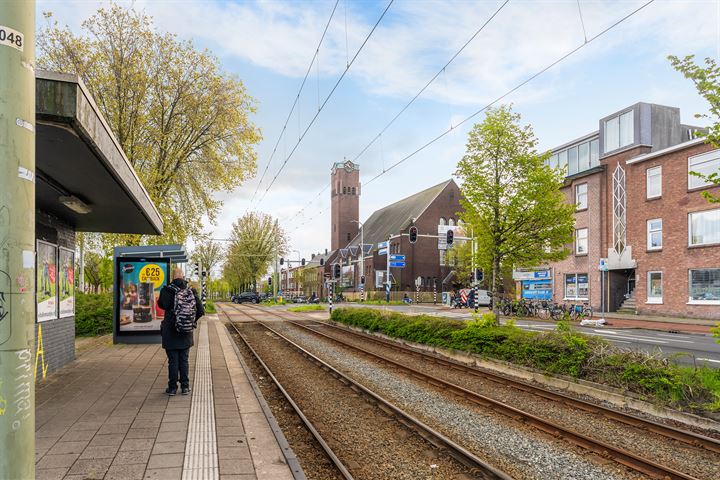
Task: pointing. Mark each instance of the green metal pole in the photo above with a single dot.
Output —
(17, 239)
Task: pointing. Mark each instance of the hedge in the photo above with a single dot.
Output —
(93, 314)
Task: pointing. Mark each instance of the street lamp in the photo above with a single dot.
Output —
(362, 257)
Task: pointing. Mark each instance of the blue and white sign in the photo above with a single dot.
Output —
(382, 245)
(603, 267)
(531, 274)
(397, 264)
(397, 258)
(383, 251)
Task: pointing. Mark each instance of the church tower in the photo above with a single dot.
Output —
(345, 203)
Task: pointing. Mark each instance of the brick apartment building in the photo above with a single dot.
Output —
(432, 210)
(641, 211)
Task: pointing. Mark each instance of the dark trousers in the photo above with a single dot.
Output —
(178, 362)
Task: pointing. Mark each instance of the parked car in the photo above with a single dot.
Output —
(247, 297)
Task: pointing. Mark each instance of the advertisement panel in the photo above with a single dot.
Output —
(348, 275)
(46, 268)
(66, 282)
(139, 282)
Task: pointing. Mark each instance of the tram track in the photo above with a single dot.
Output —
(708, 446)
(448, 456)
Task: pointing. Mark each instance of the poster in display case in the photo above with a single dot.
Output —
(66, 282)
(138, 282)
(46, 268)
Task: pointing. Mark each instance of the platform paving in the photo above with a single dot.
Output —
(106, 416)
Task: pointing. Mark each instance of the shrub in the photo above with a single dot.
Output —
(93, 314)
(306, 308)
(210, 307)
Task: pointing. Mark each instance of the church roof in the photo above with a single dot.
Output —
(397, 216)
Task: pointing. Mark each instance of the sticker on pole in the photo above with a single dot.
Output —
(11, 38)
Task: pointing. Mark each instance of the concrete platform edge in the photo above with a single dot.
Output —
(287, 451)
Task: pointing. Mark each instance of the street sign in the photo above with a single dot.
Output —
(418, 281)
(397, 258)
(383, 251)
(603, 267)
(382, 245)
(397, 264)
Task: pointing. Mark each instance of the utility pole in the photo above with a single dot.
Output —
(17, 239)
(389, 282)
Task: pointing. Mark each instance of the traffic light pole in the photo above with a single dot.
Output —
(17, 238)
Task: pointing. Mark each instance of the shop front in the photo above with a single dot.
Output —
(534, 284)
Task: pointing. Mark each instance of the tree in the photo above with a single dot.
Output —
(255, 240)
(511, 198)
(98, 272)
(707, 83)
(208, 253)
(183, 123)
(460, 257)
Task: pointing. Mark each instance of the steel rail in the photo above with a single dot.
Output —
(308, 424)
(598, 447)
(673, 433)
(465, 457)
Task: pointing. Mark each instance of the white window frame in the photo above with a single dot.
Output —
(690, 231)
(699, 302)
(617, 130)
(694, 161)
(577, 241)
(651, 299)
(577, 287)
(650, 231)
(650, 173)
(578, 206)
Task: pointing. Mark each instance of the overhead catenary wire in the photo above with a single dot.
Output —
(297, 98)
(417, 95)
(327, 99)
(512, 90)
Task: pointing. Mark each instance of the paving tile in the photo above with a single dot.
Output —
(234, 453)
(115, 419)
(173, 427)
(132, 457)
(114, 428)
(77, 436)
(142, 433)
(166, 460)
(169, 447)
(91, 468)
(170, 437)
(67, 447)
(237, 467)
(238, 477)
(57, 461)
(133, 444)
(223, 431)
(163, 474)
(107, 440)
(231, 441)
(107, 451)
(50, 473)
(125, 472)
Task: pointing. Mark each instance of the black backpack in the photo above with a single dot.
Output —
(184, 309)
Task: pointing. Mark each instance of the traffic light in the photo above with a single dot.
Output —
(204, 274)
(269, 281)
(322, 262)
(195, 269)
(450, 237)
(413, 234)
(282, 260)
(337, 270)
(479, 275)
(302, 262)
(362, 279)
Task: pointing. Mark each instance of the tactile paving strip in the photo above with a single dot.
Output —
(201, 459)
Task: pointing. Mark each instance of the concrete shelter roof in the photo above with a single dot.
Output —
(78, 155)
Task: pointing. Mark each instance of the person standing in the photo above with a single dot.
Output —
(182, 310)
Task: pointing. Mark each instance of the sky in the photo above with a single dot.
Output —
(269, 45)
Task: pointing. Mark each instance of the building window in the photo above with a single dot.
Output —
(451, 222)
(442, 221)
(442, 257)
(581, 241)
(654, 234)
(353, 190)
(654, 287)
(704, 227)
(594, 153)
(572, 154)
(576, 286)
(705, 164)
(563, 161)
(653, 182)
(619, 131)
(581, 199)
(348, 237)
(619, 221)
(705, 286)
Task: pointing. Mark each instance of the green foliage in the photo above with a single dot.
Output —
(210, 307)
(562, 351)
(707, 82)
(183, 123)
(511, 198)
(487, 319)
(379, 302)
(93, 314)
(307, 308)
(716, 332)
(272, 301)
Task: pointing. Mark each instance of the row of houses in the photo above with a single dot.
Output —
(646, 240)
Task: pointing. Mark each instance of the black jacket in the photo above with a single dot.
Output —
(171, 338)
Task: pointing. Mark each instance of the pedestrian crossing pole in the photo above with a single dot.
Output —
(417, 293)
(434, 291)
(330, 298)
(17, 240)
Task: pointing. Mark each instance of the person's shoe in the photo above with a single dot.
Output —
(186, 391)
(171, 391)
